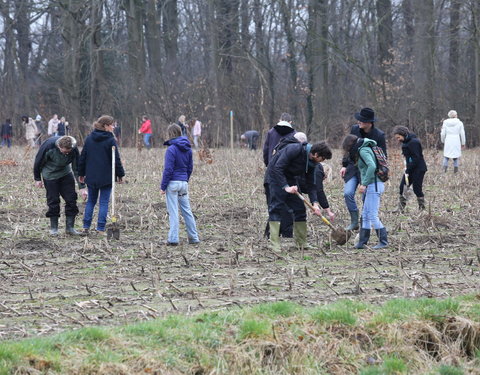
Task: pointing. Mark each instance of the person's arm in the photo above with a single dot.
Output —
(368, 158)
(462, 134)
(382, 143)
(443, 133)
(76, 158)
(168, 168)
(266, 147)
(39, 160)
(278, 170)
(189, 166)
(119, 171)
(319, 177)
(311, 186)
(415, 149)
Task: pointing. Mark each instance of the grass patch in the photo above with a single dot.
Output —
(449, 370)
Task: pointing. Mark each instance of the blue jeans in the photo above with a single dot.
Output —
(146, 140)
(349, 189)
(177, 192)
(103, 206)
(371, 205)
(8, 141)
(445, 162)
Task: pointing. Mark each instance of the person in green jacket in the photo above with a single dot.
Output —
(370, 186)
(56, 163)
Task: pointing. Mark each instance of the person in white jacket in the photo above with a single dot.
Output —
(453, 138)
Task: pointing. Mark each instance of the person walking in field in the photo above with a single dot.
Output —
(294, 161)
(146, 130)
(7, 133)
(95, 169)
(56, 163)
(360, 150)
(349, 171)
(62, 127)
(52, 126)
(196, 132)
(178, 167)
(415, 165)
(453, 138)
(31, 131)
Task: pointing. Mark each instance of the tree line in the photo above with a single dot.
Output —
(320, 60)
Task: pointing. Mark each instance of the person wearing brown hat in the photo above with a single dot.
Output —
(365, 128)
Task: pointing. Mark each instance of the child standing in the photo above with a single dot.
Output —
(177, 170)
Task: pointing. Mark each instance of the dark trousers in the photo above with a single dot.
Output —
(415, 178)
(281, 201)
(61, 187)
(286, 223)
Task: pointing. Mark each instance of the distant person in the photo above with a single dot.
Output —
(196, 132)
(177, 170)
(365, 128)
(453, 138)
(7, 133)
(61, 127)
(117, 132)
(416, 167)
(250, 139)
(95, 169)
(183, 125)
(42, 132)
(52, 126)
(57, 164)
(146, 130)
(371, 188)
(31, 131)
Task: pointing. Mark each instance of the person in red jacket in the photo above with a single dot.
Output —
(146, 130)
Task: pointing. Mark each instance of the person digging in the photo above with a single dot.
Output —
(294, 161)
(56, 163)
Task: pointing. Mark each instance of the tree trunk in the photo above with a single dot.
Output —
(22, 25)
(385, 42)
(8, 69)
(453, 54)
(170, 34)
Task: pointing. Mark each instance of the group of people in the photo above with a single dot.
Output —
(146, 130)
(293, 167)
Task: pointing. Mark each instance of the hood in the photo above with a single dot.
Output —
(451, 122)
(283, 129)
(100, 135)
(181, 143)
(409, 137)
(367, 142)
(284, 123)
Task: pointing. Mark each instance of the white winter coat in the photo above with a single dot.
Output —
(453, 137)
(31, 130)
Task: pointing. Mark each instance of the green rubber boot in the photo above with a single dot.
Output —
(275, 235)
(353, 221)
(300, 235)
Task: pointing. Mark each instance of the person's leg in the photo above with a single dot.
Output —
(9, 142)
(445, 163)
(300, 220)
(417, 182)
(103, 207)
(89, 207)
(53, 202)
(370, 216)
(187, 214)
(455, 165)
(349, 189)
(172, 208)
(195, 141)
(402, 202)
(275, 209)
(69, 195)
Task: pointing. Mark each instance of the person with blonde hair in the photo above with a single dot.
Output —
(95, 169)
(182, 122)
(177, 170)
(453, 138)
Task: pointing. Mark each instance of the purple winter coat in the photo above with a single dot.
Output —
(274, 135)
(178, 161)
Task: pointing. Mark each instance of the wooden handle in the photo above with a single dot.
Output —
(309, 205)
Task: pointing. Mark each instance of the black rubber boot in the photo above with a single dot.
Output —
(455, 169)
(382, 238)
(421, 203)
(54, 226)
(353, 221)
(364, 237)
(70, 226)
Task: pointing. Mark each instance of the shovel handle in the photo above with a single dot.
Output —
(309, 205)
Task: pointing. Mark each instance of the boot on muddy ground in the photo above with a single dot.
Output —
(421, 203)
(455, 169)
(382, 238)
(364, 237)
(402, 204)
(70, 226)
(445, 169)
(300, 235)
(353, 221)
(275, 235)
(54, 226)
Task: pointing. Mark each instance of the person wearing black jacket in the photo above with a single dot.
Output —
(349, 172)
(95, 169)
(7, 132)
(55, 161)
(294, 161)
(415, 165)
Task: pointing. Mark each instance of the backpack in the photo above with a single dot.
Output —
(382, 171)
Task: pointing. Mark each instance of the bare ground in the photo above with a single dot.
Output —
(51, 284)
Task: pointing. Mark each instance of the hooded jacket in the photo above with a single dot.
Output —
(96, 159)
(453, 136)
(367, 163)
(178, 161)
(51, 164)
(274, 135)
(146, 127)
(412, 151)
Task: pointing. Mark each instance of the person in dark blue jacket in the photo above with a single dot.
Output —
(415, 165)
(365, 128)
(178, 167)
(95, 169)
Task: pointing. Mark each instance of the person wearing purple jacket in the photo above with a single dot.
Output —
(178, 167)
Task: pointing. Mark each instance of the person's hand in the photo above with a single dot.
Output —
(162, 192)
(330, 214)
(343, 171)
(39, 184)
(291, 189)
(119, 180)
(316, 209)
(81, 179)
(463, 147)
(362, 189)
(84, 194)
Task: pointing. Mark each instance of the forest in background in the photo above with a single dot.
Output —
(320, 60)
